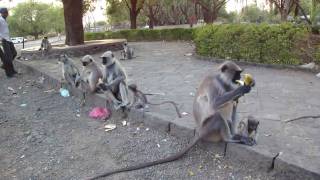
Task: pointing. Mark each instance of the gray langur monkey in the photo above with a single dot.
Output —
(70, 72)
(90, 76)
(127, 52)
(214, 112)
(140, 100)
(248, 129)
(45, 46)
(114, 81)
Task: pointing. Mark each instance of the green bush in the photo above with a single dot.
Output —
(263, 43)
(145, 34)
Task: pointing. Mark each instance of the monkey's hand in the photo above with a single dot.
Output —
(104, 87)
(245, 89)
(248, 141)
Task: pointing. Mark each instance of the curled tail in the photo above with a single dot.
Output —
(168, 102)
(148, 164)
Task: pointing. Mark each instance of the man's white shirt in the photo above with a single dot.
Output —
(4, 29)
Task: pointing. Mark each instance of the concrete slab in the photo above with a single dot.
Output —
(279, 94)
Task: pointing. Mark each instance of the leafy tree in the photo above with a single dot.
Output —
(30, 18)
(115, 16)
(253, 14)
(210, 8)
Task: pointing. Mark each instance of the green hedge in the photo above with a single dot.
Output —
(259, 43)
(145, 35)
(271, 44)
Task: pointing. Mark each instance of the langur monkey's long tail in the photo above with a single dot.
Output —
(153, 163)
(168, 102)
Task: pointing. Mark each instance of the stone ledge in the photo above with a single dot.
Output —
(237, 152)
(90, 47)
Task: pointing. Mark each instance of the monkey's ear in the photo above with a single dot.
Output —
(223, 68)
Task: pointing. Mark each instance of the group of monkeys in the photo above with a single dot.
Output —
(214, 106)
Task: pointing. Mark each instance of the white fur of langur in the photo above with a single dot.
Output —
(91, 73)
(70, 72)
(127, 52)
(214, 110)
(114, 80)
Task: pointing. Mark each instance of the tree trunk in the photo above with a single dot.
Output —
(284, 15)
(73, 22)
(133, 20)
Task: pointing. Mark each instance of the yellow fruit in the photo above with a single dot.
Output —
(248, 79)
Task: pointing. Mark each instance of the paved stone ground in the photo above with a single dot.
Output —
(278, 95)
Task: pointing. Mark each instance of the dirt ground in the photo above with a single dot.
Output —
(46, 136)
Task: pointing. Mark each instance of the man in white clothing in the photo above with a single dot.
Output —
(8, 51)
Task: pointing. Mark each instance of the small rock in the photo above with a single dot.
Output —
(308, 66)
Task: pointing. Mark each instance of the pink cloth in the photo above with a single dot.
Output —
(99, 113)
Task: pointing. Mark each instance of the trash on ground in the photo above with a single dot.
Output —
(267, 135)
(138, 128)
(22, 156)
(23, 105)
(147, 129)
(217, 156)
(190, 173)
(109, 127)
(188, 54)
(41, 80)
(78, 115)
(158, 145)
(99, 113)
(191, 94)
(64, 92)
(49, 91)
(10, 88)
(318, 75)
(165, 140)
(24, 92)
(124, 123)
(184, 113)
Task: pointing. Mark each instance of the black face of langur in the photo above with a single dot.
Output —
(231, 70)
(252, 124)
(107, 58)
(86, 63)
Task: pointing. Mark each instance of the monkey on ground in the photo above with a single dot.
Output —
(127, 52)
(214, 110)
(70, 72)
(140, 100)
(248, 129)
(114, 81)
(45, 45)
(90, 76)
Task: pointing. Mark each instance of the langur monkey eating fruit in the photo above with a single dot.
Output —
(214, 110)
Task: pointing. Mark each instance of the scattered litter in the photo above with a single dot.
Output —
(165, 140)
(49, 91)
(124, 123)
(23, 105)
(78, 115)
(267, 135)
(318, 75)
(109, 127)
(190, 173)
(138, 128)
(41, 80)
(24, 92)
(188, 54)
(22, 156)
(64, 92)
(147, 129)
(20, 88)
(219, 166)
(191, 94)
(10, 88)
(99, 113)
(184, 113)
(200, 167)
(158, 145)
(217, 156)
(308, 66)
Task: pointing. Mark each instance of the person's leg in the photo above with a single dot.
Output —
(14, 55)
(6, 59)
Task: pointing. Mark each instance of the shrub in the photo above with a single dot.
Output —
(145, 34)
(271, 44)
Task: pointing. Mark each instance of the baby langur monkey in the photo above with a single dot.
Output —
(114, 81)
(127, 52)
(90, 75)
(70, 73)
(249, 129)
(140, 100)
(214, 111)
